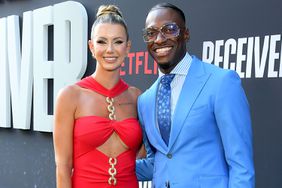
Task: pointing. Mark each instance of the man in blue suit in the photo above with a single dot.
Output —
(203, 138)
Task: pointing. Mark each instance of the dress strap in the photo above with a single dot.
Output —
(90, 83)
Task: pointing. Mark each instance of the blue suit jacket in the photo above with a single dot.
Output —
(210, 142)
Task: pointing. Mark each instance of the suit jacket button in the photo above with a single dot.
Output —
(169, 155)
(167, 184)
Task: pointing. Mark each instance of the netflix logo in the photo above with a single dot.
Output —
(139, 63)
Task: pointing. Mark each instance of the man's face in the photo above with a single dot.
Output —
(167, 52)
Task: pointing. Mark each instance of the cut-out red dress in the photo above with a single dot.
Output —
(92, 168)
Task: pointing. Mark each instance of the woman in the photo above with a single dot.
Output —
(96, 131)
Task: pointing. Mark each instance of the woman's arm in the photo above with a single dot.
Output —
(63, 135)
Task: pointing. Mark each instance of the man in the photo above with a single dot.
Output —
(203, 138)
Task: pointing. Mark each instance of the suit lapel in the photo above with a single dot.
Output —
(151, 125)
(193, 84)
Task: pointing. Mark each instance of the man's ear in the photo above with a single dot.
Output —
(186, 34)
(91, 48)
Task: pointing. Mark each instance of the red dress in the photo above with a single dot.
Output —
(92, 168)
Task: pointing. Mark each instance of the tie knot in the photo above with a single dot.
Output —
(167, 78)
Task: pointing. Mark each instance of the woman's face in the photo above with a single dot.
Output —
(109, 46)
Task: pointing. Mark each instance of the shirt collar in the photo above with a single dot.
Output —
(182, 67)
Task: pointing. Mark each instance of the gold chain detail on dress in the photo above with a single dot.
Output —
(112, 171)
(111, 108)
(112, 161)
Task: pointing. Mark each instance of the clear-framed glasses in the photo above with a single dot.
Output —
(168, 30)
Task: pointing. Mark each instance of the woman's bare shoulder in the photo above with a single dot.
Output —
(134, 91)
(69, 93)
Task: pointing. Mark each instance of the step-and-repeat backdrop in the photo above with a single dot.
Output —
(43, 47)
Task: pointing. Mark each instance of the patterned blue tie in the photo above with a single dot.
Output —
(163, 106)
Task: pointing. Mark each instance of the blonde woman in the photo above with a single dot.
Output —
(96, 131)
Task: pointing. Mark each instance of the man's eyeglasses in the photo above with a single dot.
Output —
(168, 30)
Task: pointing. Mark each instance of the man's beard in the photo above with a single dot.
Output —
(165, 66)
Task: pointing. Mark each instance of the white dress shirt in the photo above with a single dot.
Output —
(180, 71)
